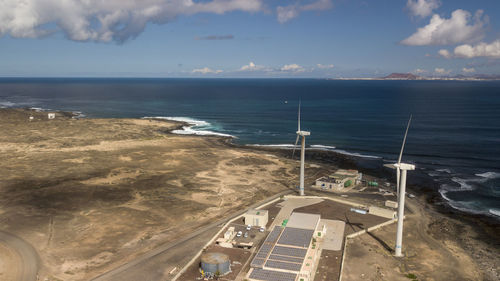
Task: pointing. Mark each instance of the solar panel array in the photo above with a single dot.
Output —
(270, 275)
(283, 249)
(257, 262)
(284, 265)
(296, 237)
(273, 236)
(266, 247)
(286, 258)
(288, 251)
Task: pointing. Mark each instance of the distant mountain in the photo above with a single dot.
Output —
(411, 76)
(402, 76)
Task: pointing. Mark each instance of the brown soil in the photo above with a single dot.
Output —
(91, 194)
(428, 254)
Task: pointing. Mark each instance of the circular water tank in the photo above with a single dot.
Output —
(213, 262)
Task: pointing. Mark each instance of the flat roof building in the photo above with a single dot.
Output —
(256, 218)
(339, 180)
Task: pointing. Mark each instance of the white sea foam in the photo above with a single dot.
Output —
(281, 146)
(323, 147)
(195, 127)
(495, 212)
(448, 171)
(489, 175)
(190, 121)
(356, 154)
(317, 147)
(78, 114)
(5, 104)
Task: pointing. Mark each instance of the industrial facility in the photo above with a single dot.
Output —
(289, 253)
(339, 180)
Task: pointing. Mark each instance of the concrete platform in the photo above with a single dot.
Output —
(334, 234)
(290, 204)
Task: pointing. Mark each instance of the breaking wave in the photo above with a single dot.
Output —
(194, 127)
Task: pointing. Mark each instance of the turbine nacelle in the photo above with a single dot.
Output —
(303, 133)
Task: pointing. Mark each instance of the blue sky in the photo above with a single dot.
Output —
(248, 38)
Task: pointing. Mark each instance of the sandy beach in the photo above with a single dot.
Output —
(91, 194)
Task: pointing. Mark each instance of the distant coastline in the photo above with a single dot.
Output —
(411, 76)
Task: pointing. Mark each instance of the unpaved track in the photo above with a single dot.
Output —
(26, 267)
(151, 265)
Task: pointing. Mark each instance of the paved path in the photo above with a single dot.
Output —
(156, 264)
(26, 258)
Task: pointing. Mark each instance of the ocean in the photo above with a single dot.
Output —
(454, 138)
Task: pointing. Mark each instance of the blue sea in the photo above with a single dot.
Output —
(454, 139)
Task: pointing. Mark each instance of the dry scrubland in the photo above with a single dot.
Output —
(91, 194)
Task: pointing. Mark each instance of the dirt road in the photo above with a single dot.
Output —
(21, 259)
(156, 264)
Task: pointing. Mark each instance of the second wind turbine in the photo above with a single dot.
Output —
(302, 134)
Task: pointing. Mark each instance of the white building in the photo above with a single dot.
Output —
(339, 180)
(256, 218)
(51, 115)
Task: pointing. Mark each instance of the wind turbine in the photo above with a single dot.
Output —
(401, 170)
(302, 134)
(398, 170)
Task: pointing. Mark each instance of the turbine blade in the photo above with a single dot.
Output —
(404, 140)
(296, 141)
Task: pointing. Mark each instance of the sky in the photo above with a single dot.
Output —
(248, 38)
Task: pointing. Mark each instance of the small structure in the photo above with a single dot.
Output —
(213, 264)
(31, 118)
(381, 212)
(51, 115)
(256, 218)
(229, 234)
(391, 204)
(227, 240)
(339, 180)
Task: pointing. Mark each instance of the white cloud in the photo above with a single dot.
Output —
(252, 67)
(286, 13)
(103, 21)
(491, 50)
(462, 27)
(206, 70)
(292, 68)
(325, 66)
(419, 71)
(445, 53)
(422, 8)
(442, 71)
(468, 70)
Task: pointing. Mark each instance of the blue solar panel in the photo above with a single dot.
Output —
(270, 275)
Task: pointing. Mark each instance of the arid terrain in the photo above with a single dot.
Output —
(80, 197)
(90, 194)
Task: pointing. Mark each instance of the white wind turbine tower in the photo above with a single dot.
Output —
(401, 169)
(302, 134)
